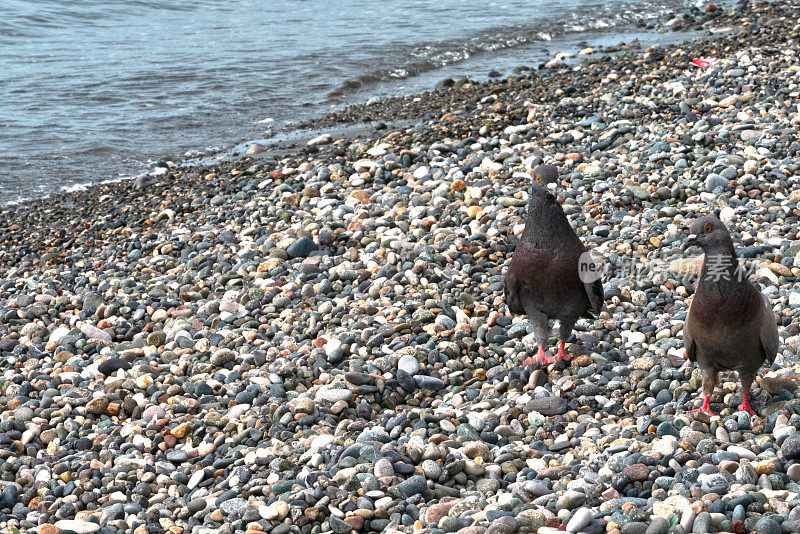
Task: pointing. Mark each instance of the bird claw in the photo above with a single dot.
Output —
(705, 407)
(564, 356)
(540, 358)
(745, 405)
(537, 360)
(746, 408)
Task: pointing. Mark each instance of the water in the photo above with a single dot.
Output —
(94, 90)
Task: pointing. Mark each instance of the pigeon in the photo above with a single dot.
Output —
(551, 275)
(730, 324)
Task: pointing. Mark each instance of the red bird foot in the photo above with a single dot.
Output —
(562, 355)
(541, 358)
(706, 407)
(745, 405)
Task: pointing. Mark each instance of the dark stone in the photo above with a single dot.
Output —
(447, 82)
(503, 525)
(111, 365)
(9, 497)
(7, 344)
(412, 486)
(196, 505)
(83, 444)
(658, 526)
(406, 381)
(634, 528)
(429, 382)
(791, 447)
(547, 406)
(339, 526)
(301, 248)
(767, 525)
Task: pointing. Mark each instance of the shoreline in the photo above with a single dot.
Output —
(684, 26)
(314, 339)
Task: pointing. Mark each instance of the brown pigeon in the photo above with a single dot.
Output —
(551, 276)
(730, 324)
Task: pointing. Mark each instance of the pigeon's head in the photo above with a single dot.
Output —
(707, 232)
(543, 177)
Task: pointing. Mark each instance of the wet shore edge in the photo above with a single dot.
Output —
(367, 119)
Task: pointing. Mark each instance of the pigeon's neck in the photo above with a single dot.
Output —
(550, 224)
(721, 270)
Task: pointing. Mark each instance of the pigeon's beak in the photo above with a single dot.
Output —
(691, 241)
(552, 186)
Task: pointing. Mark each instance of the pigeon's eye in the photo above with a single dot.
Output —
(708, 228)
(538, 178)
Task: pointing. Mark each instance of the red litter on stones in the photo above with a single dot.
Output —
(704, 62)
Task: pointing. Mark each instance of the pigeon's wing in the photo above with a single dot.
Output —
(688, 341)
(594, 291)
(769, 332)
(590, 276)
(511, 291)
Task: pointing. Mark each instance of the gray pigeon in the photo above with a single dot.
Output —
(730, 324)
(551, 276)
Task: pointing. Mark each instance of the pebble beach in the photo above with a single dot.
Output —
(312, 337)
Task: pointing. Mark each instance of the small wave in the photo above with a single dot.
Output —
(45, 192)
(429, 56)
(76, 187)
(66, 13)
(98, 150)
